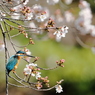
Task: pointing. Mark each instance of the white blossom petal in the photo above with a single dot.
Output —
(52, 2)
(68, 2)
(32, 74)
(38, 75)
(26, 1)
(32, 64)
(40, 18)
(59, 89)
(27, 71)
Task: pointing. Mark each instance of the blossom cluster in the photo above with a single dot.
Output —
(83, 22)
(61, 32)
(29, 13)
(60, 63)
(34, 72)
(31, 70)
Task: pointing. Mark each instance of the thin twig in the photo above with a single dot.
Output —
(47, 68)
(9, 36)
(11, 20)
(23, 80)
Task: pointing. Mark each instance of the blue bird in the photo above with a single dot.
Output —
(13, 61)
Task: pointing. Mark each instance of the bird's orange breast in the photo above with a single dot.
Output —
(17, 62)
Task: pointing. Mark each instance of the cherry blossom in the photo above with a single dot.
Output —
(29, 70)
(26, 1)
(52, 2)
(15, 16)
(83, 23)
(38, 75)
(61, 32)
(59, 89)
(69, 16)
(37, 8)
(41, 18)
(68, 1)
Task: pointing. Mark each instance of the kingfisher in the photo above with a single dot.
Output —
(14, 60)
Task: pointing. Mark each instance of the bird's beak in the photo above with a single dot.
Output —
(30, 56)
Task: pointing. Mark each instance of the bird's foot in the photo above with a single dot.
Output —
(14, 71)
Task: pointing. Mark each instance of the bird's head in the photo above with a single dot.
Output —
(23, 53)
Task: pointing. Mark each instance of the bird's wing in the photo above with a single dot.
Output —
(11, 63)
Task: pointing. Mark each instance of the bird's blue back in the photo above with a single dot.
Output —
(11, 63)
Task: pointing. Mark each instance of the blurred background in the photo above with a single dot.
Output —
(79, 70)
